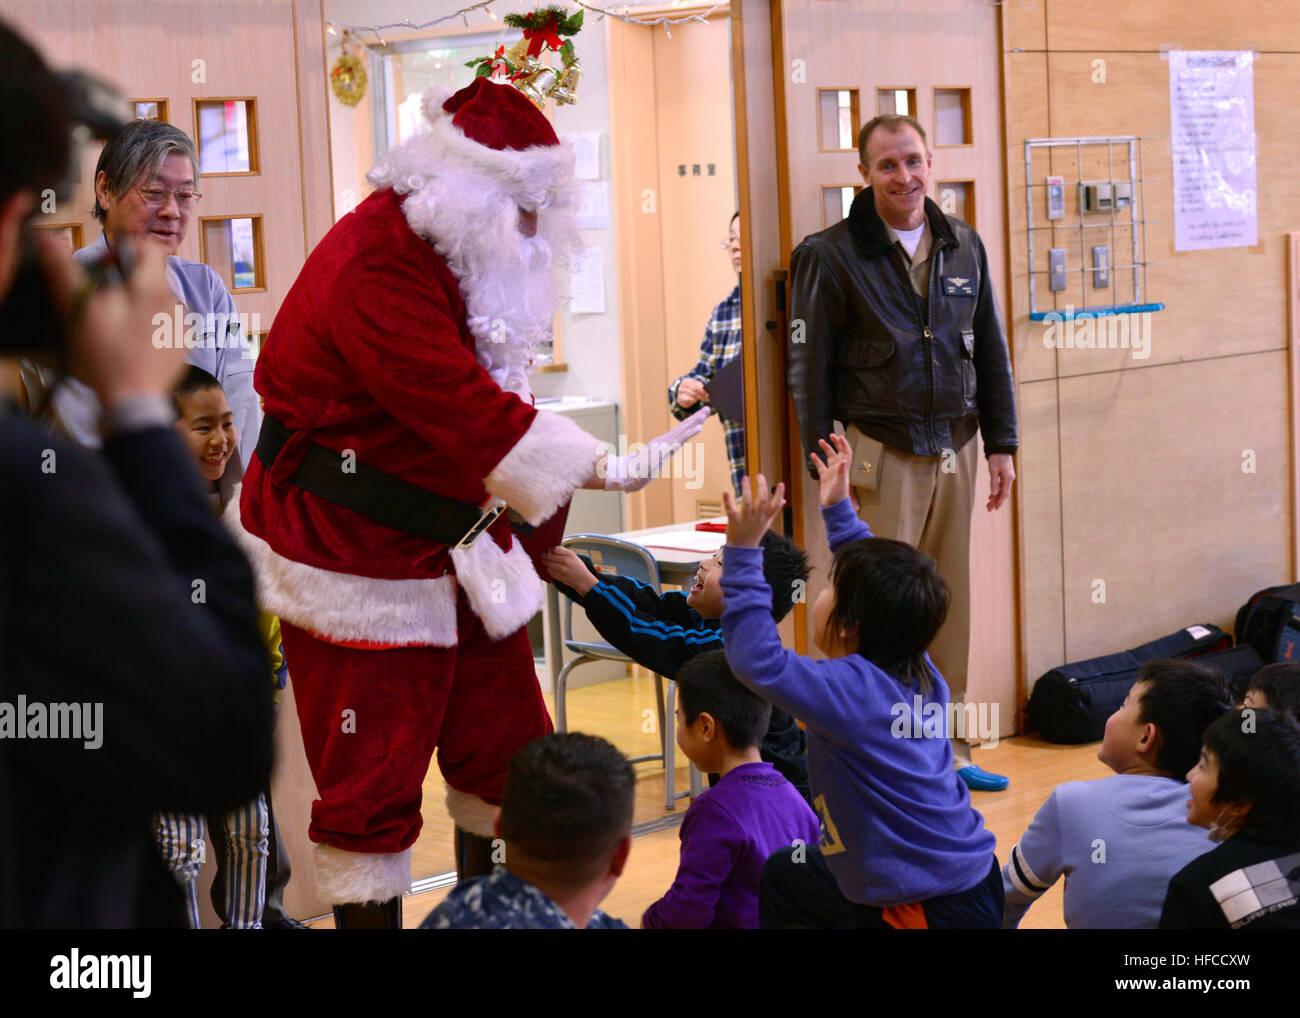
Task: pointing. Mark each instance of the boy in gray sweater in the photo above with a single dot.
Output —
(1118, 840)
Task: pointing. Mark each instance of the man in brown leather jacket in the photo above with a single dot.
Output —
(895, 333)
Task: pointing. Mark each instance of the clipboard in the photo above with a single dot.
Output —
(727, 390)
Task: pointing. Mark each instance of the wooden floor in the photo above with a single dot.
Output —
(618, 710)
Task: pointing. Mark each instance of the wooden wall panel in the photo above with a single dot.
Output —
(1025, 27)
(1157, 24)
(1142, 487)
(1156, 502)
(1042, 610)
(634, 171)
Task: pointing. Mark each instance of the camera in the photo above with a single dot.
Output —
(32, 322)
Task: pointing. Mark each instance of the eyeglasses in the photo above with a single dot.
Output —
(156, 197)
(730, 242)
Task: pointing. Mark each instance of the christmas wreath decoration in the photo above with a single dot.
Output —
(348, 77)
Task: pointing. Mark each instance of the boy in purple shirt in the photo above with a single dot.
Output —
(728, 832)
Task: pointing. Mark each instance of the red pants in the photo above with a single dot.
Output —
(371, 720)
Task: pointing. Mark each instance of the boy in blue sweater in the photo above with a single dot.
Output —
(664, 631)
(1118, 840)
(901, 846)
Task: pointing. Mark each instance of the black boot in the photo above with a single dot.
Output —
(383, 915)
(473, 855)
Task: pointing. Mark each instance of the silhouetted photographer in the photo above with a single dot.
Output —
(132, 677)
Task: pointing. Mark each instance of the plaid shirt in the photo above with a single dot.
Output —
(722, 339)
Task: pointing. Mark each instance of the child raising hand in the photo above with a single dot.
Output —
(833, 472)
(749, 521)
(901, 846)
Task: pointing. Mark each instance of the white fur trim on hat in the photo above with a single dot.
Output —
(471, 813)
(502, 586)
(529, 174)
(544, 468)
(346, 878)
(432, 101)
(343, 606)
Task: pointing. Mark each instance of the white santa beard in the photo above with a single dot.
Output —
(507, 279)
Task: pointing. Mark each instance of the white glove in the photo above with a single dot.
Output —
(637, 469)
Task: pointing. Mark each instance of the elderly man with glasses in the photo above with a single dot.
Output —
(145, 186)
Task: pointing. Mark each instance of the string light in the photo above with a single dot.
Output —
(486, 5)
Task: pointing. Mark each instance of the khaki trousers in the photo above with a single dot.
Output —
(918, 502)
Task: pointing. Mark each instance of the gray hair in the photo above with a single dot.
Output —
(139, 148)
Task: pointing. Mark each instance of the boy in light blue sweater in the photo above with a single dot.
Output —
(901, 847)
(1118, 840)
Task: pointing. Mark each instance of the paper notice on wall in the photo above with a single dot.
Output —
(586, 154)
(587, 282)
(593, 205)
(1212, 143)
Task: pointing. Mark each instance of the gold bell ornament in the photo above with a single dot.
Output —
(537, 82)
(566, 89)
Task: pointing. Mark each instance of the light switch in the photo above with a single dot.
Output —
(1056, 268)
(1101, 267)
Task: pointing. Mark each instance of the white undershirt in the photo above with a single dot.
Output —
(910, 238)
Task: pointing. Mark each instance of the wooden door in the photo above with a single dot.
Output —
(799, 58)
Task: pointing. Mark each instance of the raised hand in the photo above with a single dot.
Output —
(750, 520)
(833, 472)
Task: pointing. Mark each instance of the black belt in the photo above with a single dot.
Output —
(376, 495)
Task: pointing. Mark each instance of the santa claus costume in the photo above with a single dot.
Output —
(398, 422)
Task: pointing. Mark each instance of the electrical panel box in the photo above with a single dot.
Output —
(1055, 197)
(1106, 196)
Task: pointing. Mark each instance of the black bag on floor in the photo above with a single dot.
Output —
(1238, 663)
(1070, 704)
(1262, 619)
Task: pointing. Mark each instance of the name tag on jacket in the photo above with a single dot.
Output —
(959, 286)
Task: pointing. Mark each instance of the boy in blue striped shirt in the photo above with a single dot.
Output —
(664, 631)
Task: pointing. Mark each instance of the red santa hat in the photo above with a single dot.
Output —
(494, 130)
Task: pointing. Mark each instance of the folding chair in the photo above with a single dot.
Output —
(623, 558)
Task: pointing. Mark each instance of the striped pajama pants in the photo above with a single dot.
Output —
(182, 839)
